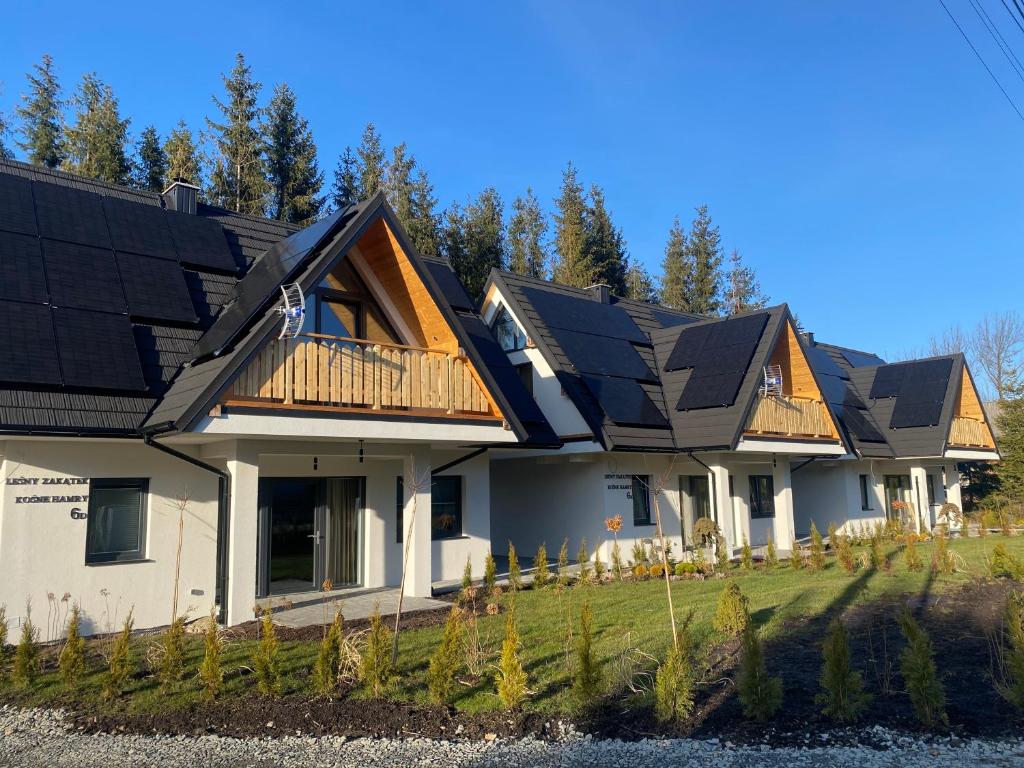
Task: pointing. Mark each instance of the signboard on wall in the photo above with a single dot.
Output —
(47, 490)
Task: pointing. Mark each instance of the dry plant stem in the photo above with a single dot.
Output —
(656, 491)
(417, 485)
(181, 505)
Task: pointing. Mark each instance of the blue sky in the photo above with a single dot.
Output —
(856, 154)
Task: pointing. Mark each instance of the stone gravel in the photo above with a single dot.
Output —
(34, 737)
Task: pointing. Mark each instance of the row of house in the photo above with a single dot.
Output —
(168, 427)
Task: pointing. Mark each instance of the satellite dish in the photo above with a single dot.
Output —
(294, 311)
(772, 386)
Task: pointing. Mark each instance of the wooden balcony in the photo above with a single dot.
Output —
(326, 372)
(789, 416)
(970, 433)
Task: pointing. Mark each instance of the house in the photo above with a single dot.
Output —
(163, 433)
(744, 420)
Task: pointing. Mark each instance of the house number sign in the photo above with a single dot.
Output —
(54, 497)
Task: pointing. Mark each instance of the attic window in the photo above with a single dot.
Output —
(510, 336)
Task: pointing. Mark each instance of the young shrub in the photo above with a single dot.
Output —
(1011, 653)
(796, 556)
(616, 561)
(211, 674)
(467, 574)
(563, 563)
(510, 677)
(446, 661)
(746, 555)
(541, 575)
(122, 661)
(771, 557)
(877, 556)
(721, 553)
(515, 575)
(910, 554)
(844, 553)
(817, 559)
(265, 661)
(72, 655)
(26, 656)
(639, 553)
(583, 560)
(640, 572)
(1004, 565)
(760, 693)
(172, 659)
(917, 666)
(700, 560)
(377, 669)
(586, 682)
(656, 571)
(599, 568)
(732, 614)
(682, 570)
(942, 558)
(843, 694)
(325, 668)
(675, 683)
(490, 573)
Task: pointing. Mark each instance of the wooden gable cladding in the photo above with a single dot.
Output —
(797, 379)
(970, 427)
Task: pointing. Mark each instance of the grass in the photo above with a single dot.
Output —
(625, 614)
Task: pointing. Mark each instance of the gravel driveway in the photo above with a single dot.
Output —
(40, 738)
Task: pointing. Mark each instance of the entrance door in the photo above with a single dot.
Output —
(897, 488)
(695, 489)
(343, 504)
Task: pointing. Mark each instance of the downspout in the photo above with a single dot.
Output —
(802, 464)
(223, 501)
(456, 462)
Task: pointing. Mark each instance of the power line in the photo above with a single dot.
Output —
(997, 36)
(1013, 16)
(1020, 10)
(987, 69)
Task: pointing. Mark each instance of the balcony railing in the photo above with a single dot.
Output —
(969, 433)
(791, 417)
(329, 372)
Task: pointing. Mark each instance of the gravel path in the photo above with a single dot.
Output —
(40, 738)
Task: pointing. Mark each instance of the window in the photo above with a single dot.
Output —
(510, 335)
(641, 500)
(865, 492)
(525, 372)
(343, 306)
(931, 489)
(762, 496)
(445, 507)
(116, 527)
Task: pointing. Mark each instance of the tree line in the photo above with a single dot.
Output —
(261, 159)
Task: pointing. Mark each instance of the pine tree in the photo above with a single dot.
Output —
(742, 289)
(1010, 470)
(149, 168)
(474, 240)
(346, 190)
(639, 285)
(573, 265)
(40, 115)
(239, 181)
(371, 164)
(97, 142)
(704, 253)
(292, 169)
(605, 247)
(526, 229)
(184, 161)
(676, 270)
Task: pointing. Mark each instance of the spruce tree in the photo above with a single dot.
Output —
(484, 241)
(42, 137)
(184, 161)
(526, 229)
(238, 180)
(453, 239)
(97, 142)
(605, 247)
(345, 189)
(742, 289)
(149, 167)
(676, 271)
(5, 153)
(1010, 470)
(423, 228)
(398, 175)
(573, 265)
(704, 253)
(371, 163)
(639, 285)
(292, 168)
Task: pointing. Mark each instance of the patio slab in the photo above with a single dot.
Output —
(307, 608)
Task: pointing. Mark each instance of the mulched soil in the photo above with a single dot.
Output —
(410, 620)
(958, 621)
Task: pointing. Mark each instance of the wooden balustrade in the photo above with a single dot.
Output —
(326, 371)
(970, 433)
(791, 416)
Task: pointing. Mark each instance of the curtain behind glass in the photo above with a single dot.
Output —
(343, 508)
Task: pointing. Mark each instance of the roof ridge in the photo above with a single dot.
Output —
(41, 170)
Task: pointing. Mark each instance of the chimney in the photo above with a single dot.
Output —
(601, 293)
(181, 197)
(809, 338)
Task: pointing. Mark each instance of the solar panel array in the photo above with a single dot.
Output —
(861, 359)
(573, 313)
(604, 355)
(625, 402)
(922, 393)
(77, 267)
(719, 354)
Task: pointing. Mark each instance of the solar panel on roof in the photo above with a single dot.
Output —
(200, 241)
(28, 351)
(924, 413)
(17, 212)
(81, 276)
(861, 359)
(155, 288)
(603, 355)
(716, 390)
(922, 392)
(70, 214)
(98, 350)
(689, 347)
(452, 290)
(858, 425)
(625, 402)
(823, 363)
(702, 344)
(139, 228)
(21, 268)
(670, 319)
(888, 380)
(573, 313)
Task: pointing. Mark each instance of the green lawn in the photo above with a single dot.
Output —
(626, 615)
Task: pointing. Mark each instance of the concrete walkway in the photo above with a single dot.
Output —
(307, 608)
